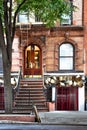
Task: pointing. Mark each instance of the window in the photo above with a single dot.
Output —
(66, 57)
(26, 17)
(37, 18)
(23, 18)
(67, 19)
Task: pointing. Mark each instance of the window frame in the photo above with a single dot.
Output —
(73, 57)
(23, 14)
(68, 17)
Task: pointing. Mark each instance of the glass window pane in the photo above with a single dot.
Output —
(66, 63)
(66, 19)
(66, 50)
(23, 18)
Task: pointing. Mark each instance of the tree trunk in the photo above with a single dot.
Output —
(6, 71)
(7, 89)
(7, 77)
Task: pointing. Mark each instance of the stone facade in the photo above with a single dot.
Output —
(49, 40)
(85, 35)
(77, 15)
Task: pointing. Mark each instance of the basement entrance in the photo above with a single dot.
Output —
(32, 60)
(67, 98)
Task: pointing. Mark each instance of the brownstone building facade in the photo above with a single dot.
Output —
(58, 52)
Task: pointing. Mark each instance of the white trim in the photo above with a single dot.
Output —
(81, 98)
(62, 74)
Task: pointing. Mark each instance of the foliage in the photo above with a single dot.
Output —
(49, 11)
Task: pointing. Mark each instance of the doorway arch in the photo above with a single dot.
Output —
(32, 60)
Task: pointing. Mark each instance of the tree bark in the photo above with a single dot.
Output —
(6, 72)
(6, 47)
(7, 90)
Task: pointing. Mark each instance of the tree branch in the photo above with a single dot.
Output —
(1, 34)
(10, 17)
(15, 15)
(2, 41)
(7, 29)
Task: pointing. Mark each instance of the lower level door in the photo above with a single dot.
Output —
(67, 98)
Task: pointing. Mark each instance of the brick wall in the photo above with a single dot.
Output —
(54, 37)
(85, 36)
(77, 15)
(15, 55)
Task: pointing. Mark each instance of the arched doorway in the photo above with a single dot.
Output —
(32, 60)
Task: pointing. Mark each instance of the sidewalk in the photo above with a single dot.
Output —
(17, 118)
(64, 117)
(52, 118)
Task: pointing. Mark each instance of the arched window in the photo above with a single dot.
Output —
(66, 57)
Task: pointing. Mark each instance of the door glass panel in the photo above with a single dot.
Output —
(36, 59)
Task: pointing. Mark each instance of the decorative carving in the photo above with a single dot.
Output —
(66, 35)
(43, 39)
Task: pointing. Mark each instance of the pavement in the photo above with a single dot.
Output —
(17, 118)
(53, 118)
(64, 117)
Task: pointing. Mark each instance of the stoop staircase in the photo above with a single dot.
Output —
(30, 93)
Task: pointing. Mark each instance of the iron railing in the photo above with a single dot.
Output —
(16, 88)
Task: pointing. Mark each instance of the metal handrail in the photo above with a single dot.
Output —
(19, 77)
(16, 88)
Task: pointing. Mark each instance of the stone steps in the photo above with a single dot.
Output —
(30, 93)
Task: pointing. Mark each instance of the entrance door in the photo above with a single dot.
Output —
(33, 60)
(67, 98)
